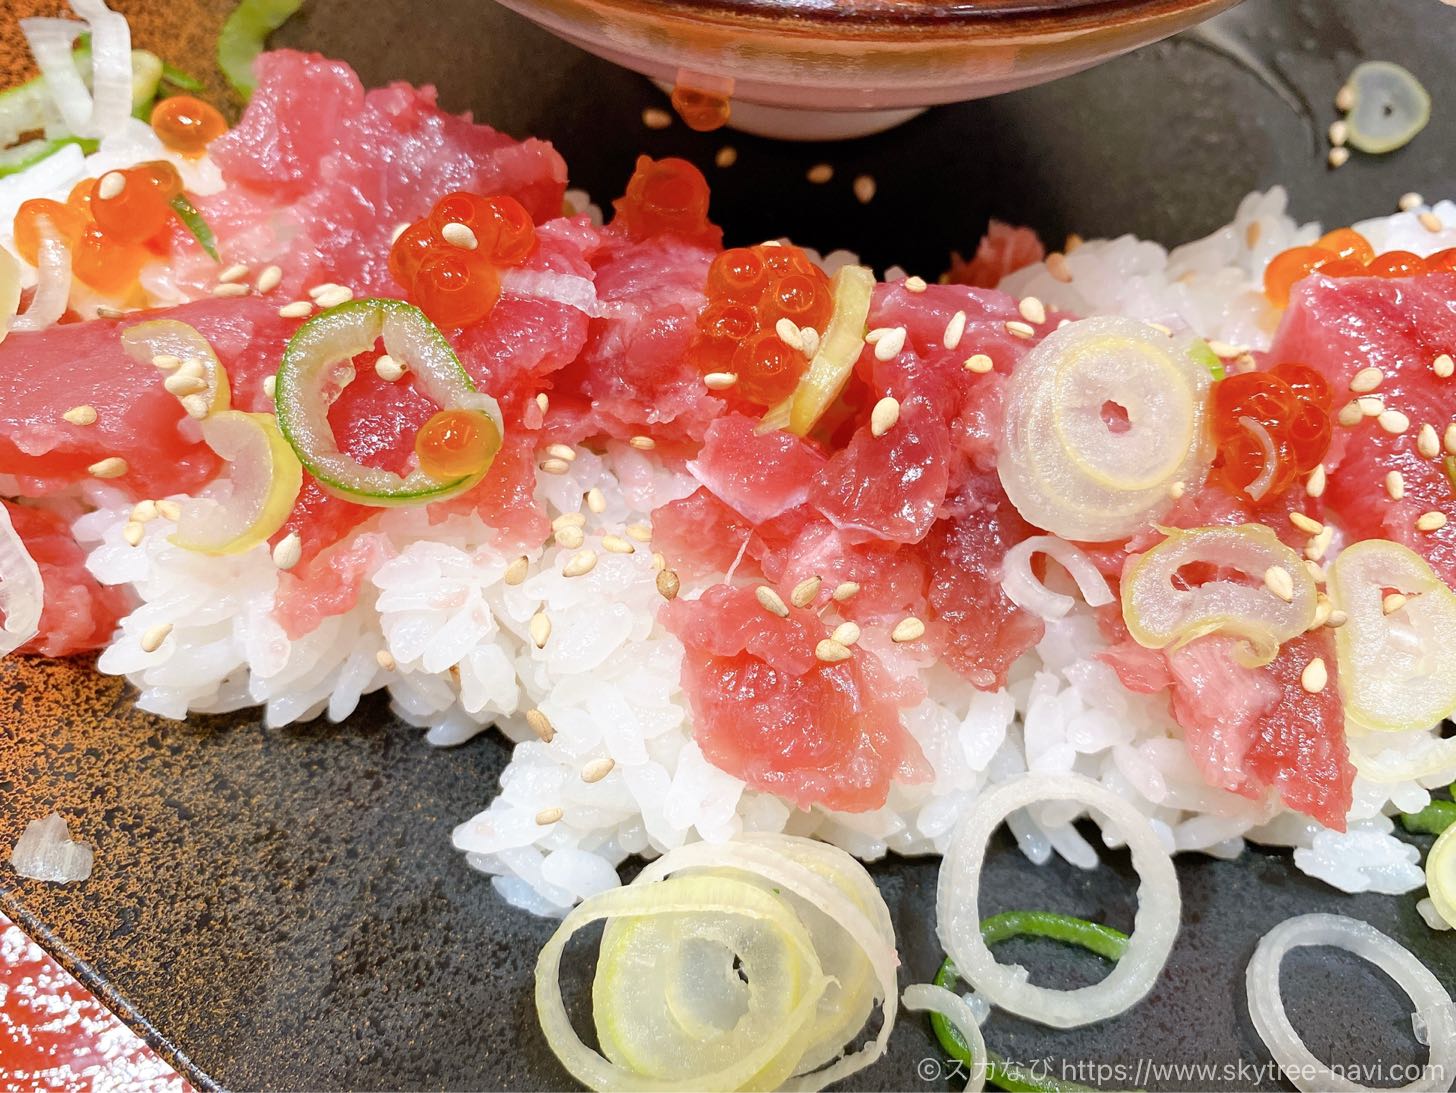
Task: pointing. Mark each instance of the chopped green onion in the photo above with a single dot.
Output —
(1102, 940)
(244, 35)
(1435, 818)
(17, 159)
(194, 223)
(173, 75)
(1203, 353)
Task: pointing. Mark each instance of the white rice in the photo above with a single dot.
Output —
(436, 601)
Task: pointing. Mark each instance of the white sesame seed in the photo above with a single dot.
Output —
(596, 500)
(846, 633)
(230, 290)
(1366, 380)
(561, 451)
(1338, 157)
(907, 629)
(720, 381)
(955, 330)
(1345, 98)
(541, 725)
(980, 364)
(830, 651)
(1223, 349)
(845, 590)
(1057, 266)
(864, 188)
(1448, 439)
(132, 533)
(1178, 489)
(144, 512)
(555, 466)
(1427, 442)
(890, 344)
(112, 466)
(110, 185)
(289, 551)
(1337, 619)
(668, 584)
(196, 406)
(820, 173)
(641, 532)
(1393, 422)
(270, 385)
(81, 415)
(385, 659)
(1339, 132)
(233, 273)
(811, 340)
(1431, 521)
(1306, 524)
(543, 401)
(1409, 202)
(597, 769)
(805, 592)
(1322, 611)
(1018, 329)
(268, 280)
(1444, 366)
(153, 637)
(1278, 581)
(169, 510)
(726, 156)
(179, 385)
(580, 564)
(166, 362)
(615, 544)
(296, 310)
(1315, 676)
(1315, 570)
(1032, 310)
(1395, 485)
(1350, 415)
(517, 570)
(643, 443)
(570, 536)
(1314, 485)
(1161, 328)
(106, 311)
(540, 629)
(336, 295)
(788, 333)
(655, 117)
(1431, 222)
(549, 816)
(771, 601)
(1370, 405)
(388, 369)
(1391, 603)
(884, 415)
(915, 284)
(459, 235)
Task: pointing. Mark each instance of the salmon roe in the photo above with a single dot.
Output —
(187, 125)
(1344, 252)
(1291, 404)
(113, 224)
(457, 444)
(749, 290)
(665, 197)
(459, 285)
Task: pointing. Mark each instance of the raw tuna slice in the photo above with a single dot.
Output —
(761, 475)
(79, 614)
(320, 173)
(44, 374)
(1400, 327)
(767, 711)
(1004, 249)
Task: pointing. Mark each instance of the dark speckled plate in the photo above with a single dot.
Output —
(283, 910)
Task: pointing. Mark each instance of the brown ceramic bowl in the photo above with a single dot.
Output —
(836, 68)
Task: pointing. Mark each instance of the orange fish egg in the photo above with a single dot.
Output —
(107, 264)
(187, 125)
(138, 207)
(457, 444)
(65, 220)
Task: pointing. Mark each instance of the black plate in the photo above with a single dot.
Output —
(283, 909)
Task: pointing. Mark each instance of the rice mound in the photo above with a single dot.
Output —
(460, 656)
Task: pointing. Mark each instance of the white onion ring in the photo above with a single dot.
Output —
(51, 42)
(562, 288)
(1025, 591)
(22, 595)
(959, 921)
(1260, 485)
(103, 110)
(928, 998)
(765, 856)
(1266, 1006)
(53, 284)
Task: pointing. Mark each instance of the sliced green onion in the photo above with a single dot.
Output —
(1434, 819)
(174, 76)
(22, 156)
(1390, 107)
(1203, 353)
(245, 34)
(28, 107)
(146, 78)
(193, 221)
(1104, 941)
